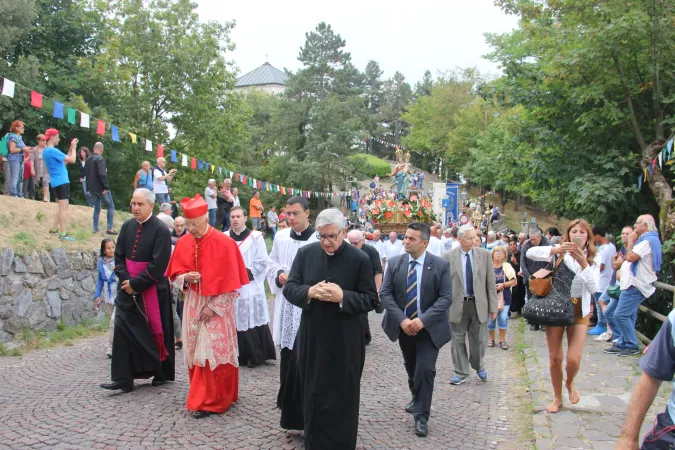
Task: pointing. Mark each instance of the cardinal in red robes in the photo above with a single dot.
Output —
(208, 267)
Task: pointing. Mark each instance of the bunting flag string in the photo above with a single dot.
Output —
(37, 101)
(664, 157)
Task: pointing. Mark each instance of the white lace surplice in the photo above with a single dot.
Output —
(251, 307)
(286, 315)
(215, 340)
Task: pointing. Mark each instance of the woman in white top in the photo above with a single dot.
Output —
(583, 261)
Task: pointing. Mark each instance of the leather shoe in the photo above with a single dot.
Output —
(409, 407)
(157, 381)
(201, 414)
(118, 385)
(421, 428)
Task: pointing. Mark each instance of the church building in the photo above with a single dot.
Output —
(266, 78)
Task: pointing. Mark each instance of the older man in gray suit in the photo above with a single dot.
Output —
(474, 297)
(416, 294)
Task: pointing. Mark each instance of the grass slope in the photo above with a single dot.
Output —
(25, 224)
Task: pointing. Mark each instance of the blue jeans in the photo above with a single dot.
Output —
(162, 198)
(273, 232)
(626, 315)
(609, 316)
(226, 220)
(16, 178)
(87, 194)
(601, 316)
(96, 200)
(502, 321)
(212, 216)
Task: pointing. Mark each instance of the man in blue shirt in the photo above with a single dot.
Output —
(56, 161)
(658, 365)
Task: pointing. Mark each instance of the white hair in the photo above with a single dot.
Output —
(492, 234)
(147, 193)
(330, 216)
(164, 206)
(211, 180)
(355, 233)
(649, 221)
(463, 229)
(161, 159)
(227, 180)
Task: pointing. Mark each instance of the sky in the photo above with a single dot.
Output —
(408, 36)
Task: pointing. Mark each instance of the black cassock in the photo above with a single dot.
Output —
(134, 350)
(330, 344)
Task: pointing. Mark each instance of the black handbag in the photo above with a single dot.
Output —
(556, 308)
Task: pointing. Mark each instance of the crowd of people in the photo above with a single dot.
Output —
(163, 287)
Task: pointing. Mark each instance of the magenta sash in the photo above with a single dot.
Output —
(151, 306)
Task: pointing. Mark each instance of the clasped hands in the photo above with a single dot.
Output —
(126, 287)
(412, 327)
(326, 292)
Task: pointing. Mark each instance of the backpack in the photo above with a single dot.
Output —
(372, 185)
(4, 146)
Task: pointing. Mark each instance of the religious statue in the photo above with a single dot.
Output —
(401, 175)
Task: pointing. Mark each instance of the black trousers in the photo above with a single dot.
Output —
(419, 357)
(366, 328)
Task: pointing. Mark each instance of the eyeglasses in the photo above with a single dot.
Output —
(639, 223)
(329, 237)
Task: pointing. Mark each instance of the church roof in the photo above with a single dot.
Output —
(265, 74)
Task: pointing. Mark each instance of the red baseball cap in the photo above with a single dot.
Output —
(50, 133)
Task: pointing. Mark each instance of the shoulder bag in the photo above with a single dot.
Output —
(541, 280)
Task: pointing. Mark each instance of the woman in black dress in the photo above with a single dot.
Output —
(518, 291)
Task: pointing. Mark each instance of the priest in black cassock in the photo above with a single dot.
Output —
(143, 340)
(333, 283)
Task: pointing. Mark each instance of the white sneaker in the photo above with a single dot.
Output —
(601, 338)
(614, 341)
(610, 337)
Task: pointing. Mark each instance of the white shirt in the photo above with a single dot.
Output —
(436, 247)
(420, 270)
(493, 244)
(236, 201)
(585, 282)
(645, 275)
(606, 253)
(463, 255)
(377, 245)
(211, 201)
(159, 186)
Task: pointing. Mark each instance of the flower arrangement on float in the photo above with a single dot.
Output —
(401, 211)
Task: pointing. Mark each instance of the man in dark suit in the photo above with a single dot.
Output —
(416, 294)
(96, 177)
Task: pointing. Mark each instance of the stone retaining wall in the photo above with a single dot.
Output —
(40, 289)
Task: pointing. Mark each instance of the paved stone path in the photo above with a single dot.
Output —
(605, 383)
(51, 399)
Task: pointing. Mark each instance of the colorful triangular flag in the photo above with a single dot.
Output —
(184, 160)
(160, 151)
(173, 156)
(84, 120)
(132, 136)
(71, 116)
(100, 127)
(640, 182)
(115, 133)
(148, 145)
(35, 99)
(58, 110)
(193, 163)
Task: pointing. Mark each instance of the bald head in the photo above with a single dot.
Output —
(376, 235)
(392, 236)
(145, 165)
(98, 148)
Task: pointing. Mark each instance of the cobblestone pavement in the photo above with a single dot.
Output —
(51, 399)
(605, 383)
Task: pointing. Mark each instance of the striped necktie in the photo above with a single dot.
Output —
(411, 292)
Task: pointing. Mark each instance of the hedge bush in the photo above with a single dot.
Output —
(370, 165)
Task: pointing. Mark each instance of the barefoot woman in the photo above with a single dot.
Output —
(582, 268)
